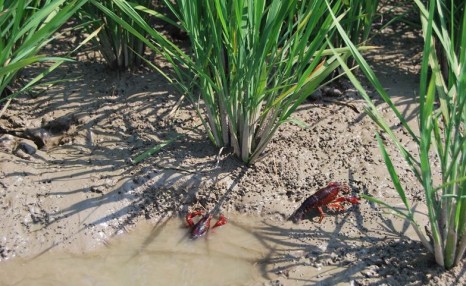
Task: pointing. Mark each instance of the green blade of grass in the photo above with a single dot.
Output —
(153, 150)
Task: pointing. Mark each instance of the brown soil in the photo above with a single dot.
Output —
(67, 180)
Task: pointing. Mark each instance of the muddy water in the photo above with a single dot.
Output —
(152, 255)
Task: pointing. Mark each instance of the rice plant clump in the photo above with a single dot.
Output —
(120, 48)
(26, 26)
(252, 64)
(442, 120)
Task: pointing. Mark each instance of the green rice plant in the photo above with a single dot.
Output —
(357, 23)
(358, 20)
(250, 65)
(119, 48)
(26, 26)
(442, 122)
(254, 63)
(153, 150)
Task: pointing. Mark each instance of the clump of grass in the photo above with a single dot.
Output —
(442, 137)
(26, 26)
(251, 63)
(254, 62)
(358, 20)
(119, 48)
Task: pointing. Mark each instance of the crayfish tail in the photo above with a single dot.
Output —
(296, 217)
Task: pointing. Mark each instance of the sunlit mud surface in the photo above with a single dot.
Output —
(150, 255)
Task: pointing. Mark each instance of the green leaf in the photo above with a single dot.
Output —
(393, 175)
(153, 150)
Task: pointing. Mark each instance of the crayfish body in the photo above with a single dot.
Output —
(324, 197)
(203, 225)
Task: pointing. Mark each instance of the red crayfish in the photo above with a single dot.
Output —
(324, 197)
(203, 225)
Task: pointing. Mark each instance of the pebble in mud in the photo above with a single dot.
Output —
(28, 147)
(23, 155)
(276, 283)
(5, 253)
(8, 143)
(41, 136)
(370, 273)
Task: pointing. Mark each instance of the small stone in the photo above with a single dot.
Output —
(23, 155)
(97, 189)
(331, 91)
(285, 273)
(369, 273)
(8, 143)
(276, 283)
(83, 119)
(28, 146)
(316, 95)
(315, 251)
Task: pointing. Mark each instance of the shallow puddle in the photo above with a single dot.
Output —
(152, 255)
(246, 251)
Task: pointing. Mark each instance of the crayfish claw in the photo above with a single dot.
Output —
(222, 220)
(190, 216)
(353, 199)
